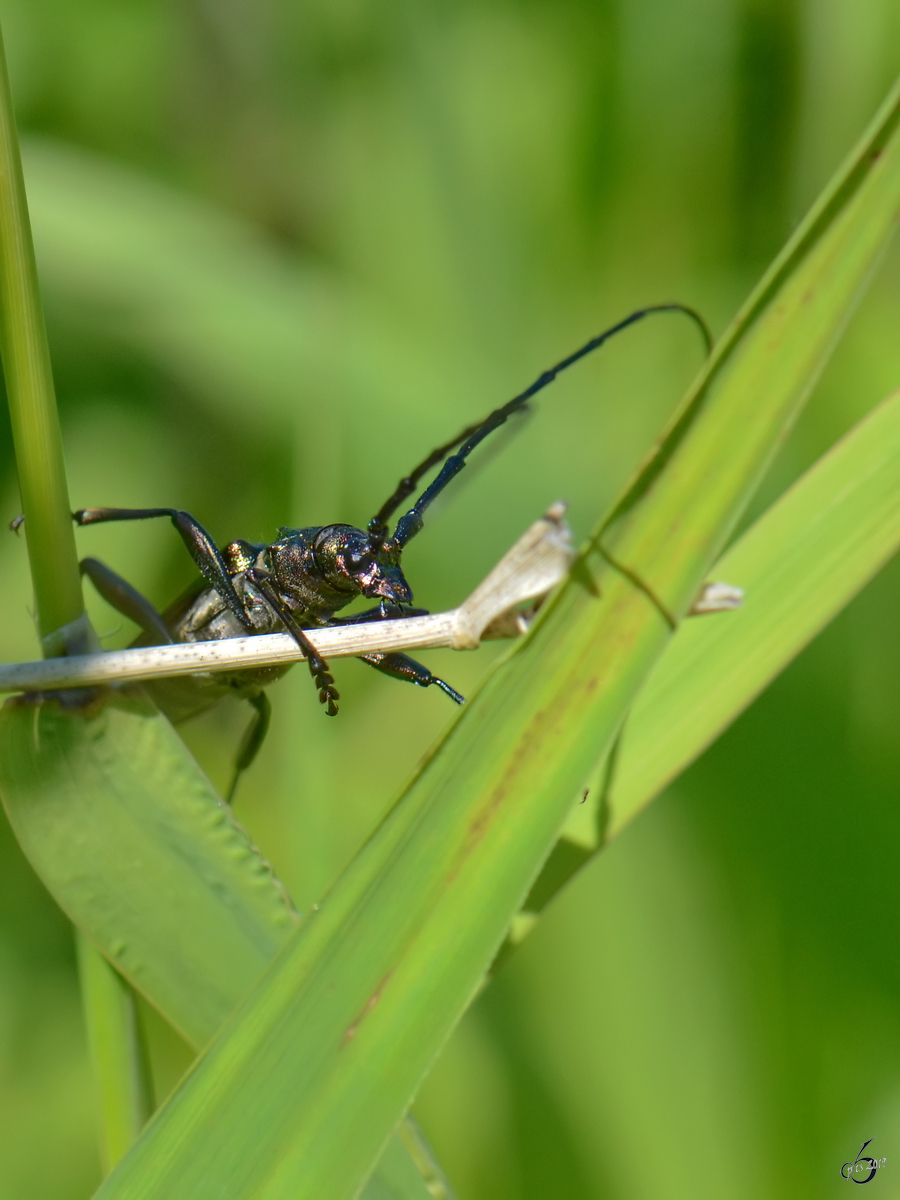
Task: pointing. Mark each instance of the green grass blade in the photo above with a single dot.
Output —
(299, 1094)
(169, 888)
(407, 1170)
(137, 848)
(799, 565)
(793, 318)
(32, 403)
(422, 1156)
(118, 1052)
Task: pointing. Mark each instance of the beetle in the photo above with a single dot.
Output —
(304, 578)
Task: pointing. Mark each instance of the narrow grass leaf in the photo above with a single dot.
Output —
(32, 407)
(799, 565)
(118, 1053)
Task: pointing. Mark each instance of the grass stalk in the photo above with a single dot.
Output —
(62, 623)
(118, 1053)
(109, 1003)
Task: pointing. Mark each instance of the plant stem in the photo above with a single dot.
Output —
(118, 1053)
(32, 403)
(62, 623)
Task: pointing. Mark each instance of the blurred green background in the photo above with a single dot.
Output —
(285, 249)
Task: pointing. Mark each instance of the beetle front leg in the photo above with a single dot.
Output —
(369, 615)
(318, 667)
(201, 547)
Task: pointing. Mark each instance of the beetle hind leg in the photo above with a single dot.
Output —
(127, 600)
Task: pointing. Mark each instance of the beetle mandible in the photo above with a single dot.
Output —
(304, 578)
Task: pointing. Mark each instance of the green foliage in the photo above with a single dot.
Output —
(118, 1052)
(422, 212)
(121, 824)
(318, 1067)
(32, 406)
(798, 566)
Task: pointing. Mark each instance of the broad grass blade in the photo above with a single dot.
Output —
(299, 1094)
(138, 849)
(130, 837)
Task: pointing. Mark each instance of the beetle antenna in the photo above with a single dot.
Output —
(411, 522)
(378, 527)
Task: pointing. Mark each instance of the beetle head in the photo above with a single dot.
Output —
(350, 560)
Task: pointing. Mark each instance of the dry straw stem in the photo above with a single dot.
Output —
(528, 571)
(538, 561)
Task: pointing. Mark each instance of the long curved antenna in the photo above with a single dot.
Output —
(411, 522)
(378, 527)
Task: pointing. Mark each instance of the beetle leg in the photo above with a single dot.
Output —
(202, 549)
(376, 614)
(125, 599)
(252, 739)
(318, 667)
(401, 666)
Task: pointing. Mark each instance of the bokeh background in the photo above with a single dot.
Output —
(286, 247)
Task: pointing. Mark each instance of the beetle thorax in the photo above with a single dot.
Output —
(324, 569)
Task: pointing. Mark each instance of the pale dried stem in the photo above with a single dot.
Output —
(527, 572)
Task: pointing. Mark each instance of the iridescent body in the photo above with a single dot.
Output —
(316, 572)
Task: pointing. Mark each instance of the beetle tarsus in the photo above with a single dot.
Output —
(448, 690)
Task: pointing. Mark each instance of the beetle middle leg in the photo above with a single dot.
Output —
(201, 547)
(208, 557)
(401, 666)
